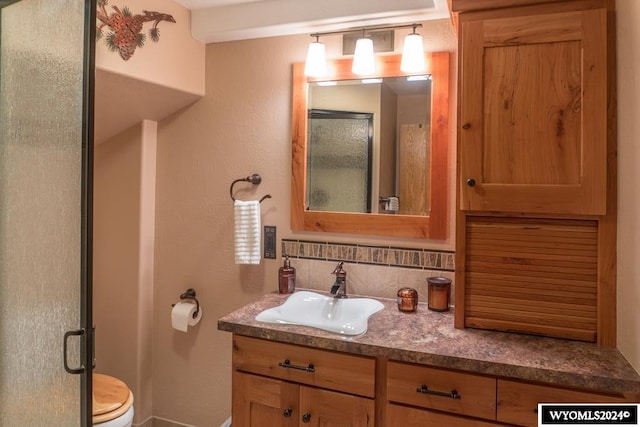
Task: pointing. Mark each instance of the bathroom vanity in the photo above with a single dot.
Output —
(411, 369)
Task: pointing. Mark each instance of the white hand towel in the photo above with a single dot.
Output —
(394, 204)
(247, 231)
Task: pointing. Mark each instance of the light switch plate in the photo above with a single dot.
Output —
(270, 241)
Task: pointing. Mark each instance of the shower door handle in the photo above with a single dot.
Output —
(76, 332)
(93, 347)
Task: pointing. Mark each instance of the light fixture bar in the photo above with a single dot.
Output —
(365, 29)
(363, 59)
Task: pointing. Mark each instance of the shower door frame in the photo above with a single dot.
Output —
(86, 329)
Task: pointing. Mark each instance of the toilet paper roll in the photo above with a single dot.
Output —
(182, 316)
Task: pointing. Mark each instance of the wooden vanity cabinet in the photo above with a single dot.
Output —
(278, 384)
(419, 395)
(533, 109)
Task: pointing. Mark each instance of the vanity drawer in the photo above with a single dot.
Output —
(305, 365)
(518, 401)
(406, 416)
(442, 389)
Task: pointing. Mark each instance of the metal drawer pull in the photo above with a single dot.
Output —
(425, 390)
(287, 364)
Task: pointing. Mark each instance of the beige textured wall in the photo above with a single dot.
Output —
(628, 15)
(124, 210)
(241, 126)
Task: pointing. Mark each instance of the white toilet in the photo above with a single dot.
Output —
(112, 402)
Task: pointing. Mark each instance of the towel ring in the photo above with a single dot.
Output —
(255, 179)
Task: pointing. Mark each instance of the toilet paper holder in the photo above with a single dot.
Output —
(190, 294)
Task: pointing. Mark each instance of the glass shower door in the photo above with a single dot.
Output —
(46, 86)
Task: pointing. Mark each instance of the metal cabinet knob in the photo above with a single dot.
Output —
(306, 418)
(471, 182)
(287, 412)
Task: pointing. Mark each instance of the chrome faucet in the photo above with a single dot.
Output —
(339, 288)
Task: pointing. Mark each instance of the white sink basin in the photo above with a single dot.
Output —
(344, 316)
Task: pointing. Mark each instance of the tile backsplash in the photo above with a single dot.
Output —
(377, 271)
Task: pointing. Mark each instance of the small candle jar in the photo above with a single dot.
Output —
(439, 293)
(407, 300)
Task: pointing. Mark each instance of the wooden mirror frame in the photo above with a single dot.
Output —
(433, 226)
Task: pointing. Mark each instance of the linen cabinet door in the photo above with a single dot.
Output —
(263, 402)
(533, 111)
(322, 408)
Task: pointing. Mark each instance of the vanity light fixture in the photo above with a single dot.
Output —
(363, 61)
(316, 65)
(363, 58)
(412, 53)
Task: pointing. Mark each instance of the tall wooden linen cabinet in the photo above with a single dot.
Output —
(536, 192)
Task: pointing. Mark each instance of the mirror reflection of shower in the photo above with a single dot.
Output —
(339, 161)
(397, 159)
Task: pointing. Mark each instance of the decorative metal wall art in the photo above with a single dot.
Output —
(125, 33)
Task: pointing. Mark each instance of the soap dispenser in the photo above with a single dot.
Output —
(286, 277)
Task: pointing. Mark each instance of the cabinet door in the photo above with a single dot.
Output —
(263, 402)
(329, 408)
(533, 112)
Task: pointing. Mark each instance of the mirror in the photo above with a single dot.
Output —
(322, 172)
(367, 141)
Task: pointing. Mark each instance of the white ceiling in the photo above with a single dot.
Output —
(227, 20)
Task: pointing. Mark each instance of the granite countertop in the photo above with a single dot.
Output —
(428, 337)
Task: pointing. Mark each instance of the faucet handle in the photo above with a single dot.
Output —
(338, 270)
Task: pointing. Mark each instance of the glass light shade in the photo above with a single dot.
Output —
(412, 54)
(363, 61)
(316, 65)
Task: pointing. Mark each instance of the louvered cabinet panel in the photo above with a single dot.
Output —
(532, 275)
